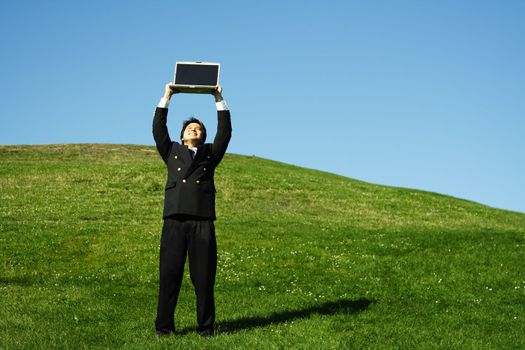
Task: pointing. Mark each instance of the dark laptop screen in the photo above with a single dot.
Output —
(196, 74)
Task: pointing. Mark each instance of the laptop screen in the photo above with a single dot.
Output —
(196, 74)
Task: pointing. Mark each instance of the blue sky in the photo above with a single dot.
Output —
(419, 94)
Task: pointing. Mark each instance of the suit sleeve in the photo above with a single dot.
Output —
(223, 136)
(160, 133)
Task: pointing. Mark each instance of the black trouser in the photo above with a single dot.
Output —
(197, 238)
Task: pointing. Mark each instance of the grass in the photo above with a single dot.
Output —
(307, 259)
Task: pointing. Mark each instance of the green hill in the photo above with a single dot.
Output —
(307, 259)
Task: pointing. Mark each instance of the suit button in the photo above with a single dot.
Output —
(178, 169)
(184, 180)
(175, 156)
(198, 181)
(204, 169)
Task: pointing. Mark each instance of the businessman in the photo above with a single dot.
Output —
(189, 212)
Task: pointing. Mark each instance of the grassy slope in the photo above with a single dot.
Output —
(306, 259)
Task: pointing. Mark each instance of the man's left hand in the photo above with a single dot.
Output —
(217, 93)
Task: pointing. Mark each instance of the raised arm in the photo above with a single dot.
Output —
(160, 129)
(224, 126)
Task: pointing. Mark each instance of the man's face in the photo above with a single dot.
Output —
(193, 132)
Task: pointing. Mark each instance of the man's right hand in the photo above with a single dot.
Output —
(169, 90)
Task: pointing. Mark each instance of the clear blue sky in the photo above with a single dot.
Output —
(419, 94)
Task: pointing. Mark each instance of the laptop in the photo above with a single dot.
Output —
(196, 77)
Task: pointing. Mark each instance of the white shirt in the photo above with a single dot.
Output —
(193, 150)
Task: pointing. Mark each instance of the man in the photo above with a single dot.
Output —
(189, 212)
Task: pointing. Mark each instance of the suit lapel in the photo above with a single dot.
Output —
(195, 162)
(185, 154)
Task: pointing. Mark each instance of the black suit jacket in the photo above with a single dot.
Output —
(190, 189)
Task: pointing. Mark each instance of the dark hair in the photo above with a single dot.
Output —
(193, 120)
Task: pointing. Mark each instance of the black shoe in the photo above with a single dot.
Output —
(165, 333)
(206, 332)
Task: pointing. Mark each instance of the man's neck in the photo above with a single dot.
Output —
(191, 144)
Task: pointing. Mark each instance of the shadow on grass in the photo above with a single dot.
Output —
(16, 280)
(343, 306)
